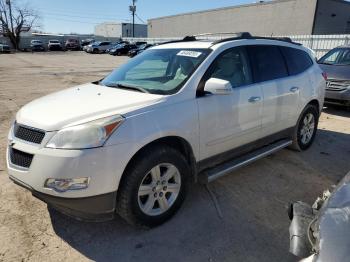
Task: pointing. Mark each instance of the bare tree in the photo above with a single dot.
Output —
(15, 19)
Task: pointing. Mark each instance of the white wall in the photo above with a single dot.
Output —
(268, 18)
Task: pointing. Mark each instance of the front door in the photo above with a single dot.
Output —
(229, 121)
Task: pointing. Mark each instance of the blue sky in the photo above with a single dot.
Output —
(80, 16)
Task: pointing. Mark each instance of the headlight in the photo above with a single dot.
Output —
(88, 135)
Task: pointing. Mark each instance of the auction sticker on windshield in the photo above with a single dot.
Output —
(189, 53)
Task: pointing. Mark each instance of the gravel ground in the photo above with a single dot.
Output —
(254, 226)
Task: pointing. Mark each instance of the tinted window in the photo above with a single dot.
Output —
(232, 66)
(267, 62)
(297, 60)
(337, 56)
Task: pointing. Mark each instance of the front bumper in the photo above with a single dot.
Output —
(104, 166)
(55, 47)
(338, 97)
(96, 208)
(72, 47)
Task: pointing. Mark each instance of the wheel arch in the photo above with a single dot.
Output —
(316, 103)
(179, 143)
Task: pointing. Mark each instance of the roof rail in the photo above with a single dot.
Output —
(249, 36)
(185, 39)
(239, 35)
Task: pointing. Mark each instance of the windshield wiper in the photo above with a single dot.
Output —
(122, 86)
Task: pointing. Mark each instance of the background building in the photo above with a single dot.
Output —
(280, 17)
(111, 29)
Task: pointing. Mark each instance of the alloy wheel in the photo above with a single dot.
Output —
(307, 129)
(159, 189)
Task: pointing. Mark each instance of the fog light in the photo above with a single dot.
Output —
(65, 184)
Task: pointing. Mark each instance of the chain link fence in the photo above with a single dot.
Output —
(321, 44)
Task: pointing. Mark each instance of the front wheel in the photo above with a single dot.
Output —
(306, 128)
(153, 187)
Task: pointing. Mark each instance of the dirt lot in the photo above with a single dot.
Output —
(254, 226)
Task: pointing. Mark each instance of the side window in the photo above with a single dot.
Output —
(232, 66)
(267, 62)
(297, 60)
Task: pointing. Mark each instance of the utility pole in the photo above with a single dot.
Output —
(132, 9)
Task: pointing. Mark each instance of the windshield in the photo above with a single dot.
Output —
(157, 71)
(337, 56)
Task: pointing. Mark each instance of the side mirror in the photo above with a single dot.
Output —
(217, 86)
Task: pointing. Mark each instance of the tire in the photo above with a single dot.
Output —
(95, 51)
(119, 54)
(147, 208)
(306, 128)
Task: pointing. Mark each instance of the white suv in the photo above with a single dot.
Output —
(180, 112)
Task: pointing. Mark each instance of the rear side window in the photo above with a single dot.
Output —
(297, 60)
(267, 62)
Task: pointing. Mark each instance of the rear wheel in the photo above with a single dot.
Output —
(306, 128)
(154, 187)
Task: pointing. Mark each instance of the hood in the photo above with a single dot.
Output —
(81, 104)
(341, 72)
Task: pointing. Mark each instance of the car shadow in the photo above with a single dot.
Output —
(336, 110)
(196, 233)
(253, 201)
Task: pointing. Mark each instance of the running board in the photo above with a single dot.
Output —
(212, 174)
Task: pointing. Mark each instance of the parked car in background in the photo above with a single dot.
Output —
(99, 47)
(336, 63)
(54, 45)
(115, 45)
(181, 112)
(85, 43)
(139, 50)
(37, 46)
(140, 43)
(72, 44)
(321, 232)
(122, 49)
(4, 48)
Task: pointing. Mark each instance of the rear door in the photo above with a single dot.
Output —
(279, 92)
(229, 121)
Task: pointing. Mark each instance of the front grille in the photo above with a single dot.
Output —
(337, 85)
(20, 158)
(28, 134)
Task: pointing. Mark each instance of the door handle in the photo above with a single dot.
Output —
(254, 99)
(294, 89)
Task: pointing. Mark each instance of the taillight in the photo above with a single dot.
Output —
(324, 74)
